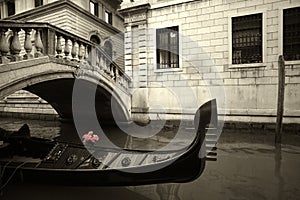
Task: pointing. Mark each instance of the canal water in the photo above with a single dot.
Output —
(249, 166)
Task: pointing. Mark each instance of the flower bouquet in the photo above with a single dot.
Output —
(90, 138)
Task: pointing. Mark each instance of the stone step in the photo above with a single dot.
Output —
(211, 146)
(211, 159)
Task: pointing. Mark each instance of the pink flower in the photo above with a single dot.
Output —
(90, 136)
(95, 138)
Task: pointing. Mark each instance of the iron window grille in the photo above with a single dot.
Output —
(38, 3)
(167, 47)
(247, 39)
(11, 8)
(291, 33)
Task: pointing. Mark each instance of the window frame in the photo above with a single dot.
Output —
(108, 20)
(264, 40)
(1, 10)
(280, 34)
(96, 8)
(40, 3)
(169, 69)
(13, 2)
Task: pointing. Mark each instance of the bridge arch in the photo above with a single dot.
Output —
(56, 87)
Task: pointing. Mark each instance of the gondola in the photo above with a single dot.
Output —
(47, 161)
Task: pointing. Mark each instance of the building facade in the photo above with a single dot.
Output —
(212, 47)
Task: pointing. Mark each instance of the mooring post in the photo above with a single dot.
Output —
(280, 98)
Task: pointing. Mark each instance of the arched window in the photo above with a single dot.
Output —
(108, 48)
(95, 39)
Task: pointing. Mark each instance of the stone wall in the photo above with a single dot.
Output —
(205, 48)
(30, 105)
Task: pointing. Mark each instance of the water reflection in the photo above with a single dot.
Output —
(168, 191)
(159, 191)
(278, 171)
(38, 128)
(244, 170)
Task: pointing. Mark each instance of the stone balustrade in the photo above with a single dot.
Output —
(43, 39)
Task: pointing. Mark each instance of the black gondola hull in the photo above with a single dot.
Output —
(62, 167)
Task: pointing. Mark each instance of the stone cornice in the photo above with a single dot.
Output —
(141, 8)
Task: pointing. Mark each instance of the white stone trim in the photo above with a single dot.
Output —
(166, 25)
(292, 62)
(168, 3)
(280, 31)
(250, 65)
(3, 9)
(264, 39)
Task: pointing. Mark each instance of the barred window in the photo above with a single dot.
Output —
(167, 47)
(38, 3)
(247, 39)
(11, 8)
(291, 33)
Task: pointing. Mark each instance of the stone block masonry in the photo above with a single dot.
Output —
(205, 27)
(23, 104)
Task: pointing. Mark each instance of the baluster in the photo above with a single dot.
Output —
(112, 74)
(122, 80)
(58, 47)
(15, 46)
(4, 47)
(119, 79)
(105, 64)
(117, 75)
(28, 44)
(103, 60)
(86, 55)
(95, 56)
(100, 61)
(80, 55)
(126, 83)
(67, 49)
(38, 44)
(73, 52)
(98, 54)
(92, 56)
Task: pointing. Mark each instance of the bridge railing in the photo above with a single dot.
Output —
(44, 39)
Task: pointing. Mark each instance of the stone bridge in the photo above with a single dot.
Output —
(54, 64)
